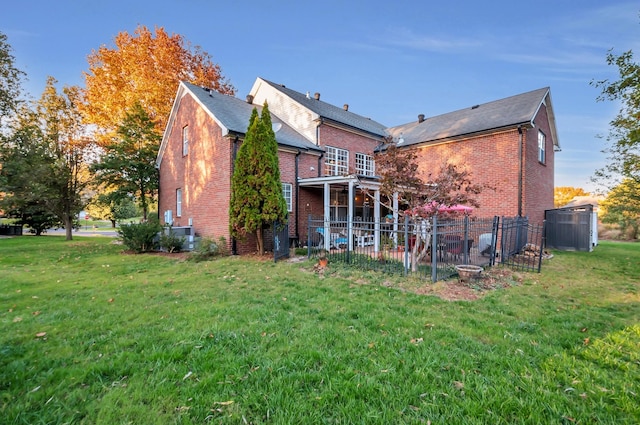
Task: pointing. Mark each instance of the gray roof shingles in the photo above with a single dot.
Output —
(234, 114)
(510, 111)
(332, 112)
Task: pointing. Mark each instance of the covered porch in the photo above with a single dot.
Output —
(354, 200)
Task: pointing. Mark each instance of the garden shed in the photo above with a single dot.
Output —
(573, 228)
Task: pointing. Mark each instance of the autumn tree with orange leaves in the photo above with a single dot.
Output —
(144, 68)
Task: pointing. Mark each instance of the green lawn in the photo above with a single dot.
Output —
(91, 335)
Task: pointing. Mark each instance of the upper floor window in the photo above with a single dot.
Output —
(288, 197)
(542, 141)
(185, 140)
(336, 161)
(365, 165)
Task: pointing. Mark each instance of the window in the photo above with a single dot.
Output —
(288, 197)
(364, 165)
(542, 141)
(336, 161)
(178, 202)
(185, 140)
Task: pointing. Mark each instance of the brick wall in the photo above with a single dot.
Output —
(351, 141)
(493, 161)
(203, 175)
(538, 190)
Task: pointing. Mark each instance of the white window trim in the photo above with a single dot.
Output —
(336, 161)
(178, 202)
(288, 188)
(365, 164)
(185, 140)
(542, 151)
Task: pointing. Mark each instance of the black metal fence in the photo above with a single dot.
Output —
(280, 240)
(428, 248)
(522, 244)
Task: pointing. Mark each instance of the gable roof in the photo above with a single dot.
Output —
(328, 111)
(505, 113)
(232, 115)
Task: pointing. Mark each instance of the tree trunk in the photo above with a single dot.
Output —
(260, 241)
(113, 224)
(68, 227)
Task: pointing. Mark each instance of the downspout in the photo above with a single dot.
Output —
(320, 158)
(318, 144)
(297, 208)
(234, 154)
(520, 170)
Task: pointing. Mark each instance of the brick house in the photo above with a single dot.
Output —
(508, 144)
(326, 155)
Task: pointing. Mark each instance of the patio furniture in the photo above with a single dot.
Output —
(336, 240)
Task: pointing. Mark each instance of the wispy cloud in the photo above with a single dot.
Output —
(406, 38)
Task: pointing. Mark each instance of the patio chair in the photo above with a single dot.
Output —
(336, 240)
(454, 245)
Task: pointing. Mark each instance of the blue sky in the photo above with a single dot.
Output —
(389, 60)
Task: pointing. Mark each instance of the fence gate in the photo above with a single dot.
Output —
(521, 244)
(280, 240)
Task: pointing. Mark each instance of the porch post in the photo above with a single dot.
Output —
(327, 216)
(395, 219)
(350, 217)
(376, 221)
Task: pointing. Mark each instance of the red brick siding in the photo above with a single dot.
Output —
(354, 143)
(493, 161)
(539, 178)
(203, 174)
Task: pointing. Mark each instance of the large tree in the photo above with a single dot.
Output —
(144, 68)
(108, 204)
(622, 207)
(256, 191)
(45, 157)
(562, 195)
(624, 136)
(128, 162)
(10, 80)
(420, 195)
(25, 170)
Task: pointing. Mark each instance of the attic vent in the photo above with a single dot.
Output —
(249, 99)
(316, 96)
(346, 107)
(475, 106)
(420, 118)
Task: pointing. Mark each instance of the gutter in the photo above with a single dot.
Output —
(297, 207)
(234, 154)
(520, 170)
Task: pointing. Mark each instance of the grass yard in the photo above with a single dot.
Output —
(90, 335)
